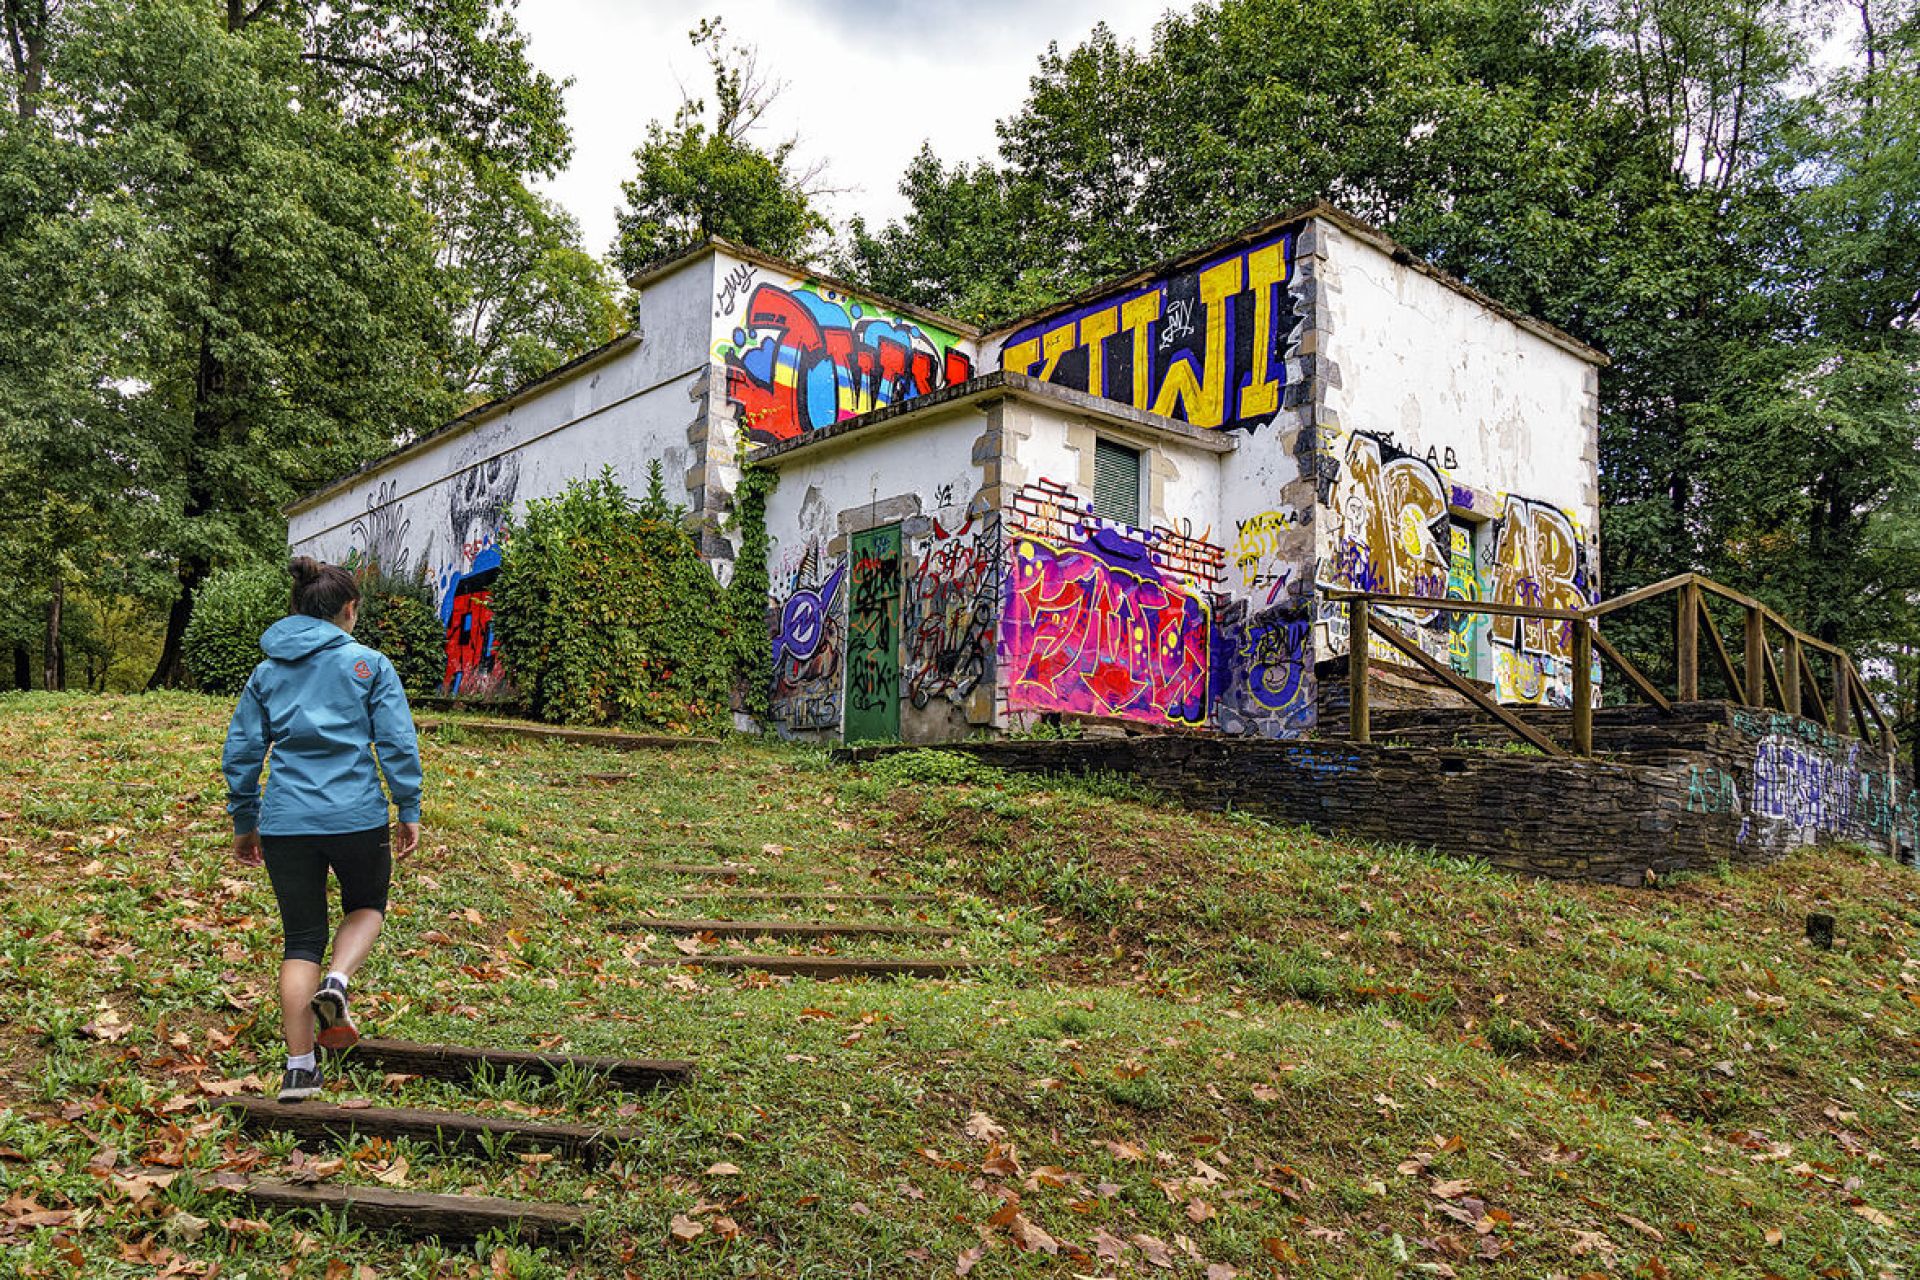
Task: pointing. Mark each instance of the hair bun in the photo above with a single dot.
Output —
(305, 569)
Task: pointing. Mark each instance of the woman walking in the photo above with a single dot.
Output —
(335, 718)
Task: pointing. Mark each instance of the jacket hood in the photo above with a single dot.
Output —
(299, 636)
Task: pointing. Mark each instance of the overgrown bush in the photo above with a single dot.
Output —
(608, 615)
(221, 646)
(398, 617)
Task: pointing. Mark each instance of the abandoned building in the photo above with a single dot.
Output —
(1125, 506)
(1140, 506)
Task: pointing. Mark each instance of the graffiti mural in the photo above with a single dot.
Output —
(380, 536)
(1264, 556)
(1390, 531)
(952, 599)
(808, 645)
(1463, 583)
(477, 505)
(802, 356)
(1207, 345)
(1262, 677)
(1104, 619)
(873, 635)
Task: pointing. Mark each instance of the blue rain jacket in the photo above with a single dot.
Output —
(324, 706)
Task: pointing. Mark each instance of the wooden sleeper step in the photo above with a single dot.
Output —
(459, 1062)
(786, 928)
(320, 1120)
(819, 966)
(417, 1213)
(802, 895)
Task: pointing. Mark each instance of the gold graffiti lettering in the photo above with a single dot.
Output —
(1204, 397)
(1056, 343)
(1021, 357)
(1266, 267)
(1094, 331)
(1135, 316)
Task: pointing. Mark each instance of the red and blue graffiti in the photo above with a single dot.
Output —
(800, 361)
(466, 610)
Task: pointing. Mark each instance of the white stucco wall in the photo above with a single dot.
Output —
(436, 509)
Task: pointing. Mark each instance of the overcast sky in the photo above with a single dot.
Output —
(867, 81)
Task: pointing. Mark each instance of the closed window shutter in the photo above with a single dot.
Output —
(1116, 482)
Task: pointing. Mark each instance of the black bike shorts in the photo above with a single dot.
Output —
(361, 860)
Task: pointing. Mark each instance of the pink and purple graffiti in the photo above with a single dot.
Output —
(1097, 628)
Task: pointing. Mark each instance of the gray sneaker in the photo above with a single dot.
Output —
(300, 1083)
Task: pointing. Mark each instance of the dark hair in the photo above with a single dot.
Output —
(321, 590)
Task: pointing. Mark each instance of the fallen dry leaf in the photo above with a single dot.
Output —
(685, 1229)
(981, 1127)
(968, 1257)
(1646, 1229)
(1156, 1250)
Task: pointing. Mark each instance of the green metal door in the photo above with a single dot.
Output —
(873, 637)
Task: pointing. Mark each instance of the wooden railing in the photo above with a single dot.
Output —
(1793, 682)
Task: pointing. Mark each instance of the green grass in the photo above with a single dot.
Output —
(1246, 1043)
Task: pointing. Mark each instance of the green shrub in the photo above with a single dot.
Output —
(607, 614)
(398, 617)
(942, 768)
(221, 646)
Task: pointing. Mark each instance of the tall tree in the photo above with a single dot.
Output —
(522, 295)
(699, 177)
(265, 310)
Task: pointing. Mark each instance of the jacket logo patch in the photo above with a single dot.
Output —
(362, 670)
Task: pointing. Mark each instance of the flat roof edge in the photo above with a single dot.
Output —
(454, 428)
(997, 384)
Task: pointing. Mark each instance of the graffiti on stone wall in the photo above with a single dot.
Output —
(1102, 618)
(802, 356)
(808, 644)
(1463, 583)
(1805, 777)
(478, 501)
(953, 598)
(1262, 673)
(1207, 345)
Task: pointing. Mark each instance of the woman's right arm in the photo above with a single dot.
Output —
(241, 761)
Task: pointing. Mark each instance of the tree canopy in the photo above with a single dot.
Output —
(698, 178)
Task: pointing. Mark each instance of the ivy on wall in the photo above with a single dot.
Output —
(748, 592)
(610, 616)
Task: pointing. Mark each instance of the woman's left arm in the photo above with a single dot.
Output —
(395, 743)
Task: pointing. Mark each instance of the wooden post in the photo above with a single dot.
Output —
(1756, 658)
(1794, 662)
(1583, 687)
(1842, 692)
(1686, 643)
(1358, 631)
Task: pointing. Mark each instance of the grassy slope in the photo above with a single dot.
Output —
(1249, 1046)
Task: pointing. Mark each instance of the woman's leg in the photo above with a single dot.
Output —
(299, 979)
(298, 871)
(363, 863)
(353, 941)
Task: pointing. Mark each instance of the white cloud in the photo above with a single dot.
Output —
(867, 81)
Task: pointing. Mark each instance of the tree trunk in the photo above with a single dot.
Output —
(22, 667)
(171, 671)
(53, 672)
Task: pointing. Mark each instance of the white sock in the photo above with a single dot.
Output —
(336, 976)
(302, 1061)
